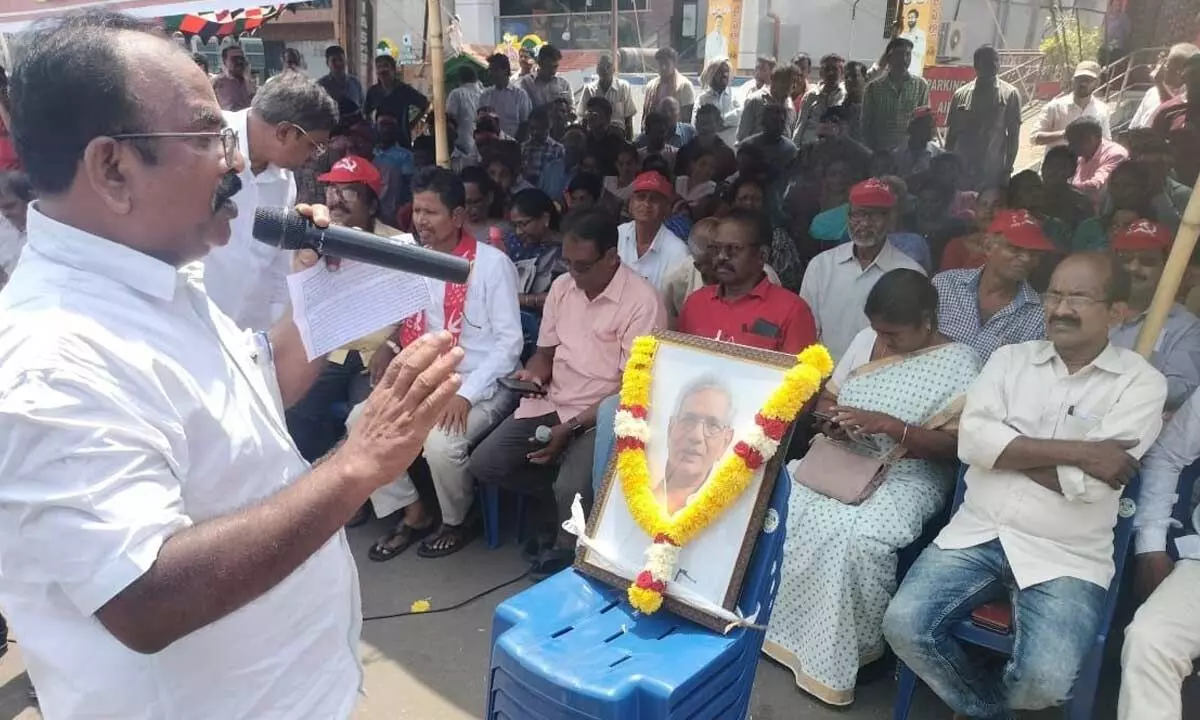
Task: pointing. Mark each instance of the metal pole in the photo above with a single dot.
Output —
(1172, 277)
(438, 75)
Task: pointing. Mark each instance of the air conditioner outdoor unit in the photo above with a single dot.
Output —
(951, 38)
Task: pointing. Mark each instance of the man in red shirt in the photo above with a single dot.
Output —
(744, 307)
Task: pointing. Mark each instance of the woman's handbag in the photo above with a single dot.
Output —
(845, 471)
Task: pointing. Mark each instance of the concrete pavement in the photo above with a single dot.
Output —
(434, 666)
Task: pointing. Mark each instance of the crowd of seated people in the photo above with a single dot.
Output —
(976, 315)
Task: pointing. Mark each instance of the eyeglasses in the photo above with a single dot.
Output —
(1075, 302)
(343, 192)
(581, 267)
(709, 426)
(227, 136)
(318, 148)
(729, 250)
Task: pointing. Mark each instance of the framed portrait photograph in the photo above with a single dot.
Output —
(703, 395)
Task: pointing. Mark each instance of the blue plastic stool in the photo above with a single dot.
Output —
(572, 647)
(489, 499)
(1083, 694)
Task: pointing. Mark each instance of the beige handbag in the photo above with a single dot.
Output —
(844, 471)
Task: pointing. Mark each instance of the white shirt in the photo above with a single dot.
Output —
(491, 336)
(731, 111)
(1025, 390)
(1143, 117)
(1063, 110)
(916, 65)
(131, 409)
(12, 241)
(462, 104)
(247, 279)
(836, 286)
(667, 251)
(1177, 447)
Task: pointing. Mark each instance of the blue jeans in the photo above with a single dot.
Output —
(606, 437)
(1054, 622)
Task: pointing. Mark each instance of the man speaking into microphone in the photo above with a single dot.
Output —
(165, 551)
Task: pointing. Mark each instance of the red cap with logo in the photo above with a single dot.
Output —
(1141, 235)
(1020, 229)
(354, 169)
(872, 193)
(922, 112)
(654, 182)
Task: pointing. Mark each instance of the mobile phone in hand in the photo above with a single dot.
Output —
(525, 387)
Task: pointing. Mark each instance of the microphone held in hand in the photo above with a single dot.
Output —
(287, 229)
(543, 434)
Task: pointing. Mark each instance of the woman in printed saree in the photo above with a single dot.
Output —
(900, 382)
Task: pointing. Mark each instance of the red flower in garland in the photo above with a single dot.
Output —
(629, 443)
(646, 581)
(753, 458)
(638, 411)
(665, 539)
(771, 427)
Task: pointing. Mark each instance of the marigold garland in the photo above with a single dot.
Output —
(732, 475)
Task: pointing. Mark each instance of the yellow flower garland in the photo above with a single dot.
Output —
(733, 474)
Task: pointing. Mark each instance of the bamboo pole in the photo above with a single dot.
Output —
(1172, 277)
(438, 76)
(616, 45)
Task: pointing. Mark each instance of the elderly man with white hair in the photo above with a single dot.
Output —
(1168, 83)
(715, 79)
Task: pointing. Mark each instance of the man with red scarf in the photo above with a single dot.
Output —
(485, 321)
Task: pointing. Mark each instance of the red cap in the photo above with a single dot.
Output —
(1020, 229)
(922, 112)
(654, 182)
(354, 169)
(872, 193)
(1141, 235)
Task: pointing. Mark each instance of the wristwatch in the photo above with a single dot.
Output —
(574, 426)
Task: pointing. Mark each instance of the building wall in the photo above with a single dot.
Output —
(825, 26)
(396, 18)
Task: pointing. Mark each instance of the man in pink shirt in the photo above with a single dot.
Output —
(1097, 156)
(589, 321)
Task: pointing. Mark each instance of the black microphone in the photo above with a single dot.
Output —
(287, 229)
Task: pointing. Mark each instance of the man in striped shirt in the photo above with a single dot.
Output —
(890, 100)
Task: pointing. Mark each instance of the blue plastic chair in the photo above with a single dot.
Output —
(1083, 694)
(572, 647)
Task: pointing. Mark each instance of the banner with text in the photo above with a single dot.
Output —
(943, 81)
(723, 29)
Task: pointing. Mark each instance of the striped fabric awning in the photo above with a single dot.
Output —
(222, 23)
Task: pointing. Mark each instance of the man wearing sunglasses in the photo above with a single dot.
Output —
(234, 90)
(287, 125)
(167, 552)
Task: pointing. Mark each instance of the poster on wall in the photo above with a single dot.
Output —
(944, 80)
(919, 23)
(724, 27)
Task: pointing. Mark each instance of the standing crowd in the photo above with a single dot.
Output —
(975, 316)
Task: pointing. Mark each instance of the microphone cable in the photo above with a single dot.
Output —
(448, 608)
